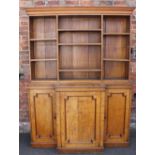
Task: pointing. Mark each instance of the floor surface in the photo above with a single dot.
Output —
(26, 149)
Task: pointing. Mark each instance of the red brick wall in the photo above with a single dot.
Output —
(23, 40)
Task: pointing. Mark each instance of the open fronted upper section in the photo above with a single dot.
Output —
(90, 46)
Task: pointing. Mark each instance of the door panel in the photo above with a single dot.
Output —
(80, 119)
(71, 117)
(43, 115)
(87, 112)
(42, 111)
(80, 111)
(117, 115)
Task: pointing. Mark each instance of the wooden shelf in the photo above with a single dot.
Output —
(116, 79)
(43, 60)
(115, 34)
(123, 60)
(81, 79)
(72, 44)
(44, 79)
(78, 30)
(79, 70)
(43, 39)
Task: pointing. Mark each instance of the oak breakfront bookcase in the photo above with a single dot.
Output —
(80, 91)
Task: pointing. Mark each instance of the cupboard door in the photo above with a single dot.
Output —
(80, 120)
(42, 114)
(117, 116)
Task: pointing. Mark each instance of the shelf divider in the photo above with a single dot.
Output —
(130, 43)
(57, 45)
(102, 51)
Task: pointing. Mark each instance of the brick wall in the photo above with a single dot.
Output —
(23, 45)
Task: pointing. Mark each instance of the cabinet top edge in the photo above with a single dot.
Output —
(43, 11)
(99, 86)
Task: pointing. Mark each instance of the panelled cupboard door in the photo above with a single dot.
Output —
(42, 113)
(117, 117)
(81, 115)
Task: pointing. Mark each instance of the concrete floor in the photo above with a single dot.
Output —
(26, 149)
